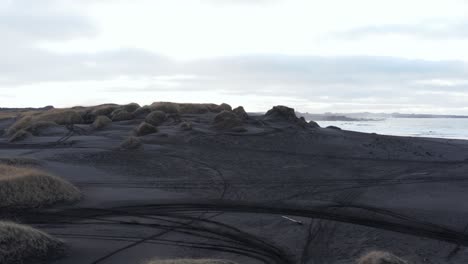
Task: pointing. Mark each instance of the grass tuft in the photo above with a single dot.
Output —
(24, 244)
(22, 187)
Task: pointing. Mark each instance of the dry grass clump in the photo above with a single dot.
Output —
(31, 188)
(24, 244)
(156, 118)
(190, 261)
(19, 125)
(227, 120)
(380, 257)
(145, 129)
(101, 122)
(131, 143)
(20, 135)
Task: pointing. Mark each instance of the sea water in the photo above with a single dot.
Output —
(456, 128)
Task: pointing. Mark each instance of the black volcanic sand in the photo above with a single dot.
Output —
(278, 192)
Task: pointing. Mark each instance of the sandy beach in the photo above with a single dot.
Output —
(279, 190)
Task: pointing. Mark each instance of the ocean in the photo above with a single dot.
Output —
(456, 128)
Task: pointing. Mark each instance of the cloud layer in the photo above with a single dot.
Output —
(62, 53)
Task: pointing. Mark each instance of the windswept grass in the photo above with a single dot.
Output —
(23, 244)
(380, 257)
(22, 187)
(20, 135)
(190, 261)
(35, 120)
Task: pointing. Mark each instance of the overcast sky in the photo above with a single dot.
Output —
(317, 56)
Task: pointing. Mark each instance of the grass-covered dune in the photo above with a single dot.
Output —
(23, 244)
(32, 122)
(22, 187)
